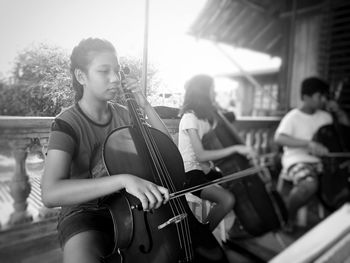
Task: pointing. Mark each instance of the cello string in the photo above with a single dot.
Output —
(159, 158)
(137, 114)
(150, 145)
(160, 165)
(144, 81)
(183, 226)
(180, 232)
(164, 176)
(160, 161)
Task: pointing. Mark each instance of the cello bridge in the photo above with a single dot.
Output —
(175, 220)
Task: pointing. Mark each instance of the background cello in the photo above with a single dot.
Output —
(259, 207)
(334, 188)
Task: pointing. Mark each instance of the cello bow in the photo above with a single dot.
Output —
(230, 177)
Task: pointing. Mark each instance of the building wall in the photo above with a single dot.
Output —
(255, 101)
(305, 53)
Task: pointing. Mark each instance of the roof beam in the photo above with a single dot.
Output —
(301, 11)
(273, 42)
(254, 5)
(271, 9)
(249, 77)
(261, 32)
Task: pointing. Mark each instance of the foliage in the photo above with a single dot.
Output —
(135, 66)
(41, 82)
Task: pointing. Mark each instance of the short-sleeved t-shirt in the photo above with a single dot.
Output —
(302, 126)
(75, 133)
(190, 121)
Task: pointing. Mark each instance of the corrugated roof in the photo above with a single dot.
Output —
(253, 24)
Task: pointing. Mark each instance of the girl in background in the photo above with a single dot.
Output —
(197, 119)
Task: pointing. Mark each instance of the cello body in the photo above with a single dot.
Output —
(259, 207)
(165, 234)
(334, 188)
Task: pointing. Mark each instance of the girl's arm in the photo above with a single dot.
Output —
(289, 141)
(212, 155)
(59, 190)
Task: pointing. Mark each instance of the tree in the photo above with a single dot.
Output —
(135, 66)
(41, 74)
(42, 82)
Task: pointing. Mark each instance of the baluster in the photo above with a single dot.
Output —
(44, 143)
(249, 139)
(20, 186)
(257, 141)
(242, 134)
(264, 160)
(265, 141)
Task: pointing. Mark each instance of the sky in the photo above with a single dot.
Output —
(64, 23)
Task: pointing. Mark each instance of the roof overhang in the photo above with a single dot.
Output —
(259, 25)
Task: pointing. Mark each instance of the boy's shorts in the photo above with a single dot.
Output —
(302, 171)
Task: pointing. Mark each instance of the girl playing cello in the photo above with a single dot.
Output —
(197, 119)
(74, 177)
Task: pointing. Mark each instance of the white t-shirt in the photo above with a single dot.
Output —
(302, 126)
(190, 121)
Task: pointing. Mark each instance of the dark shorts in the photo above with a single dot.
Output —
(86, 220)
(198, 177)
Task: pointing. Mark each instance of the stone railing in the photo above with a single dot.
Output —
(258, 132)
(18, 137)
(22, 135)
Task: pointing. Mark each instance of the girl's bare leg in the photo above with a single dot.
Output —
(224, 202)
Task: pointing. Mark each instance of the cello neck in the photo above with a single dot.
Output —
(134, 109)
(232, 130)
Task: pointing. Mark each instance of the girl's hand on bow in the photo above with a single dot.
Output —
(249, 152)
(316, 148)
(151, 196)
(332, 106)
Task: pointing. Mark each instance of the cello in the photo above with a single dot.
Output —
(259, 207)
(334, 185)
(170, 233)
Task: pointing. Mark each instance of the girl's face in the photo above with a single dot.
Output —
(102, 79)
